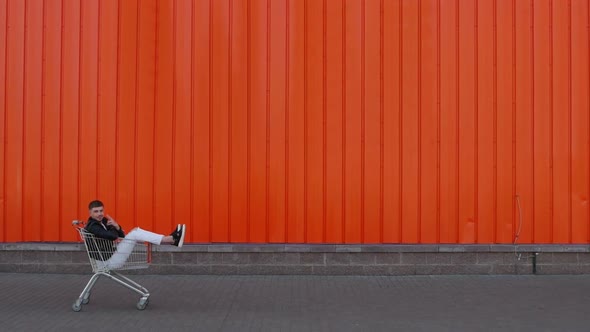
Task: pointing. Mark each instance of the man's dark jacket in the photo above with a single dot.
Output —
(101, 231)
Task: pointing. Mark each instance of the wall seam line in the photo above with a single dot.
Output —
(4, 138)
(117, 105)
(570, 204)
(287, 96)
(419, 203)
(174, 105)
(192, 222)
(495, 125)
(552, 130)
(156, 39)
(532, 57)
(458, 118)
(98, 104)
(363, 121)
(305, 120)
(476, 124)
(438, 123)
(136, 126)
(401, 118)
(267, 176)
(381, 120)
(588, 100)
(61, 49)
(249, 111)
(513, 117)
(325, 120)
(230, 122)
(24, 122)
(43, 120)
(211, 120)
(79, 138)
(344, 219)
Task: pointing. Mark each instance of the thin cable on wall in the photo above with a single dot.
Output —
(517, 234)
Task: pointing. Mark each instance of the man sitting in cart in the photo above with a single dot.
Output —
(105, 227)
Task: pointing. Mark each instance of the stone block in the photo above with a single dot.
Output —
(235, 258)
(362, 258)
(378, 248)
(31, 268)
(388, 258)
(490, 258)
(162, 257)
(9, 267)
(560, 269)
(80, 257)
(584, 258)
(348, 248)
(209, 258)
(502, 248)
(338, 270)
(338, 258)
(66, 268)
(58, 257)
(312, 258)
(440, 258)
(464, 258)
(30, 257)
(377, 270)
(11, 256)
(402, 270)
(224, 269)
(504, 269)
(413, 258)
(524, 268)
(297, 248)
(410, 248)
(220, 248)
(183, 258)
(322, 248)
(261, 258)
(453, 269)
(520, 257)
(564, 258)
(544, 258)
(274, 270)
(290, 258)
(190, 269)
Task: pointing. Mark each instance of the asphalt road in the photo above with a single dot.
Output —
(42, 302)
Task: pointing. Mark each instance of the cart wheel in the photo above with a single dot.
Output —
(142, 303)
(76, 307)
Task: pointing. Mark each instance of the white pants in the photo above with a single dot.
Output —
(125, 247)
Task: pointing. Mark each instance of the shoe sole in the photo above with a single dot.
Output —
(182, 233)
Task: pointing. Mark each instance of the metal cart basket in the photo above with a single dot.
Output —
(100, 252)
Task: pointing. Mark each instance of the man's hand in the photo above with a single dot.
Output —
(112, 222)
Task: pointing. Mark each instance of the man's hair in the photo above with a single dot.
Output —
(95, 204)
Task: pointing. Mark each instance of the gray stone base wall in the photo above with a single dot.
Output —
(250, 259)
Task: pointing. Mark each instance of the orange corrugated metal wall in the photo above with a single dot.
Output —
(320, 121)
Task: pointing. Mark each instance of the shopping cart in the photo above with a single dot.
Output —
(99, 251)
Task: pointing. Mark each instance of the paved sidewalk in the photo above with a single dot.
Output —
(42, 302)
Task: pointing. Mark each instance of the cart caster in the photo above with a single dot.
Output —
(76, 307)
(143, 302)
